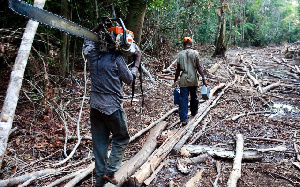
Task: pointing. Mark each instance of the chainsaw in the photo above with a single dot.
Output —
(113, 33)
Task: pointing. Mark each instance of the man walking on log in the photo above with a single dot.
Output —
(189, 66)
(108, 71)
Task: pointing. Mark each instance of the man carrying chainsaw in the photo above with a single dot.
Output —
(188, 63)
(108, 71)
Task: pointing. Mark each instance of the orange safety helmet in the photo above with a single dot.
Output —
(187, 39)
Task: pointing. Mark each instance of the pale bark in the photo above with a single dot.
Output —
(249, 113)
(58, 181)
(157, 156)
(129, 167)
(237, 163)
(154, 174)
(255, 81)
(218, 166)
(218, 152)
(152, 124)
(15, 83)
(82, 175)
(26, 177)
(168, 69)
(270, 87)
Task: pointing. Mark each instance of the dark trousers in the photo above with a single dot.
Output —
(102, 126)
(184, 102)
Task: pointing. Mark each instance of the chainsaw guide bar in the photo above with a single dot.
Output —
(51, 20)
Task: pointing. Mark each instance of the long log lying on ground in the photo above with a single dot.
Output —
(150, 179)
(168, 69)
(237, 163)
(157, 156)
(249, 113)
(153, 124)
(26, 177)
(218, 152)
(129, 167)
(270, 87)
(255, 81)
(80, 176)
(72, 175)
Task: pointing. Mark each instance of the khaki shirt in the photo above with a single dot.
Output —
(187, 61)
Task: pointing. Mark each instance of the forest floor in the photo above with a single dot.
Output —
(38, 142)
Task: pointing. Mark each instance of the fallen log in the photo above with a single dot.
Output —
(168, 69)
(80, 176)
(153, 124)
(285, 64)
(218, 152)
(157, 156)
(218, 166)
(129, 167)
(148, 74)
(150, 179)
(265, 139)
(249, 113)
(26, 177)
(255, 81)
(58, 181)
(237, 163)
(270, 87)
(195, 160)
(277, 148)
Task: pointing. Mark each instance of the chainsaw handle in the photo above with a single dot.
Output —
(123, 27)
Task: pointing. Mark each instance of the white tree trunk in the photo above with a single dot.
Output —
(15, 83)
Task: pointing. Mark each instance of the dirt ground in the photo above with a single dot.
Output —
(38, 141)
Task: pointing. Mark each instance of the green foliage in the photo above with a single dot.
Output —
(276, 21)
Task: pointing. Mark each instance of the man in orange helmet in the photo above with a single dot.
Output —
(188, 63)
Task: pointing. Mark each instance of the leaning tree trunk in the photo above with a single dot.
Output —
(221, 47)
(15, 83)
(135, 18)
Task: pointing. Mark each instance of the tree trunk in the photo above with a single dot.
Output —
(16, 78)
(135, 18)
(221, 47)
(64, 42)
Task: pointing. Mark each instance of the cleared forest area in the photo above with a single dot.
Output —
(246, 133)
(267, 117)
